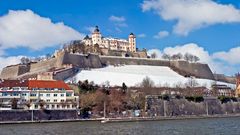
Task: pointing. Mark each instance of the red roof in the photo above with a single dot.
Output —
(13, 83)
(47, 84)
(34, 84)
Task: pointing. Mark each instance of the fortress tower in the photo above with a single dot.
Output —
(96, 36)
(238, 84)
(132, 42)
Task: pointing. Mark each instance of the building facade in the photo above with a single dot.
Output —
(111, 43)
(223, 90)
(36, 94)
(237, 85)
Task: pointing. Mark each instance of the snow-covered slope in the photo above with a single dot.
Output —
(134, 74)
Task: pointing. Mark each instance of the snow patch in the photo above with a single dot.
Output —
(133, 75)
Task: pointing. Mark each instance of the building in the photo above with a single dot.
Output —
(37, 94)
(223, 90)
(111, 43)
(237, 85)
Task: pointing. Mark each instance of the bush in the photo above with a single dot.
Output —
(166, 97)
(178, 97)
(197, 99)
(224, 99)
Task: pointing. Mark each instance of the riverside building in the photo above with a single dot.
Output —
(36, 94)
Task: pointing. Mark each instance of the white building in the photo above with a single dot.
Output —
(36, 94)
(111, 43)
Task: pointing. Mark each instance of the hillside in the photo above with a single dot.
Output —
(132, 75)
(65, 65)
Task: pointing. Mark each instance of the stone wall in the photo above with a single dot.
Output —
(64, 74)
(192, 69)
(82, 61)
(26, 115)
(11, 72)
(222, 77)
(131, 61)
(43, 65)
(178, 107)
(94, 61)
(184, 68)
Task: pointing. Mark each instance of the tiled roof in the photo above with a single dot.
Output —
(13, 83)
(34, 84)
(47, 84)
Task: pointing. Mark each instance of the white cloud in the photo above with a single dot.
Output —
(161, 34)
(24, 28)
(117, 18)
(210, 59)
(118, 21)
(12, 60)
(231, 57)
(141, 35)
(192, 14)
(156, 51)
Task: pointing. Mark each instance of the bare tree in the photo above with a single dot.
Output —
(166, 56)
(192, 82)
(25, 60)
(154, 55)
(147, 83)
(196, 58)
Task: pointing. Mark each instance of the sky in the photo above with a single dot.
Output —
(209, 29)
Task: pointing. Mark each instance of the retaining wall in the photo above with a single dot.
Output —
(26, 115)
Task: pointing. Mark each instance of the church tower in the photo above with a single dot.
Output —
(96, 36)
(132, 42)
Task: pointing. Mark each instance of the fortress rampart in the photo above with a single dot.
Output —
(184, 68)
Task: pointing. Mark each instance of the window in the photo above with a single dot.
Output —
(48, 100)
(33, 95)
(48, 95)
(62, 95)
(68, 94)
(15, 94)
(55, 100)
(55, 95)
(53, 106)
(24, 94)
(62, 100)
(4, 94)
(36, 107)
(47, 106)
(41, 95)
(58, 106)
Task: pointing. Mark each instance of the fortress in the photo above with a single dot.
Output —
(111, 43)
(66, 65)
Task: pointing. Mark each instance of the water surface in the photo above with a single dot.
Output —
(214, 126)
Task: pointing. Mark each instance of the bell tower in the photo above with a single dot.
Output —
(96, 36)
(132, 42)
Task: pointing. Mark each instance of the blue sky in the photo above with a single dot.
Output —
(216, 36)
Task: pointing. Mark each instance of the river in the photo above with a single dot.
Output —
(212, 126)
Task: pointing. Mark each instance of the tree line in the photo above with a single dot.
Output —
(179, 56)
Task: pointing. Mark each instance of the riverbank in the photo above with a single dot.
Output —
(128, 119)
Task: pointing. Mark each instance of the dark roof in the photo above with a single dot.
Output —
(96, 29)
(87, 37)
(131, 34)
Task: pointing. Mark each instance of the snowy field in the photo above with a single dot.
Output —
(132, 75)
